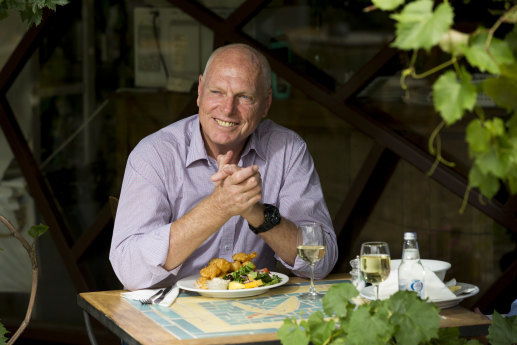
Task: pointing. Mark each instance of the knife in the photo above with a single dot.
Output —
(162, 296)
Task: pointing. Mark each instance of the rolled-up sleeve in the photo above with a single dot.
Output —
(141, 232)
(301, 200)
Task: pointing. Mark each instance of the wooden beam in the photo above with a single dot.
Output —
(102, 221)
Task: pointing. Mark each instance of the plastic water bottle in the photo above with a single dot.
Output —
(411, 271)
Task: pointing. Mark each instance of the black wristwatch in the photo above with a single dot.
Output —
(271, 219)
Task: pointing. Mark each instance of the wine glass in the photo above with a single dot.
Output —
(311, 248)
(375, 263)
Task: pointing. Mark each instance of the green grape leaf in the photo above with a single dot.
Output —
(452, 97)
(3, 332)
(31, 11)
(51, 4)
(502, 330)
(449, 336)
(319, 329)
(290, 333)
(493, 162)
(368, 328)
(478, 56)
(487, 184)
(509, 70)
(502, 90)
(511, 38)
(417, 26)
(495, 127)
(477, 137)
(410, 312)
(387, 5)
(37, 230)
(31, 18)
(333, 299)
(475, 176)
(512, 126)
(341, 340)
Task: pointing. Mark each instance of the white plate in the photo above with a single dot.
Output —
(369, 293)
(189, 284)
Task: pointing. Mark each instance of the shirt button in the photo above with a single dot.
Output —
(226, 247)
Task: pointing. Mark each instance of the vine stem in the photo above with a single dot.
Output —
(34, 288)
(434, 69)
(496, 25)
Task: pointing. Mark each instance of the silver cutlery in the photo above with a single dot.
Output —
(162, 296)
(150, 299)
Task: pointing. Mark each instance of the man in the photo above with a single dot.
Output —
(218, 183)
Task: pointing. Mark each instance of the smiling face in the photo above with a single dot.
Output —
(232, 100)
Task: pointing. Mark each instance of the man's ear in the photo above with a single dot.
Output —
(199, 88)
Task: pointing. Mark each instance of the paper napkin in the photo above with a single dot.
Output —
(138, 295)
(434, 288)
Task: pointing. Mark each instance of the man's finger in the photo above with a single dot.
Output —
(224, 171)
(222, 161)
(243, 174)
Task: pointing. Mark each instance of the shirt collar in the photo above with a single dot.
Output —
(255, 144)
(197, 151)
(196, 147)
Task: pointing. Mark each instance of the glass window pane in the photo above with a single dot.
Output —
(324, 41)
(11, 32)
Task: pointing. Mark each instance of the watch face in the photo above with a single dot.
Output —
(271, 219)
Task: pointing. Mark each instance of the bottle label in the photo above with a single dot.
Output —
(416, 285)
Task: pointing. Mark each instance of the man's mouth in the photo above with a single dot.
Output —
(225, 123)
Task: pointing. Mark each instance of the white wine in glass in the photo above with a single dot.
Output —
(375, 263)
(311, 248)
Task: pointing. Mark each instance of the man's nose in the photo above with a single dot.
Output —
(229, 104)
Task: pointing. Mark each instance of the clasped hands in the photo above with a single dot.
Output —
(237, 190)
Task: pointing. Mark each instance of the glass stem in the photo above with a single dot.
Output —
(376, 291)
(312, 289)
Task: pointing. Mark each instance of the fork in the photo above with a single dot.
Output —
(150, 299)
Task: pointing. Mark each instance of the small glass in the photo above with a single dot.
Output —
(311, 248)
(375, 263)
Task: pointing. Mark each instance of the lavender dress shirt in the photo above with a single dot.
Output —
(168, 173)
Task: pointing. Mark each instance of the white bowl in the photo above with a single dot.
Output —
(438, 267)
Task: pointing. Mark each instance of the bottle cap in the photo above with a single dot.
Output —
(410, 235)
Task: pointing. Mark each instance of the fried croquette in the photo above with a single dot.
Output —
(218, 267)
(222, 264)
(243, 257)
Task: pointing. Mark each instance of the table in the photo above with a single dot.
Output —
(194, 319)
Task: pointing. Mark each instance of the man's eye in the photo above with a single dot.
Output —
(246, 98)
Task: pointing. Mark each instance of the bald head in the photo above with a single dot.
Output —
(253, 57)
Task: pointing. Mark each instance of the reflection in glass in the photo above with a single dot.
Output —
(328, 42)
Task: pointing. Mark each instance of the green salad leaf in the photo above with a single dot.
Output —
(247, 271)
